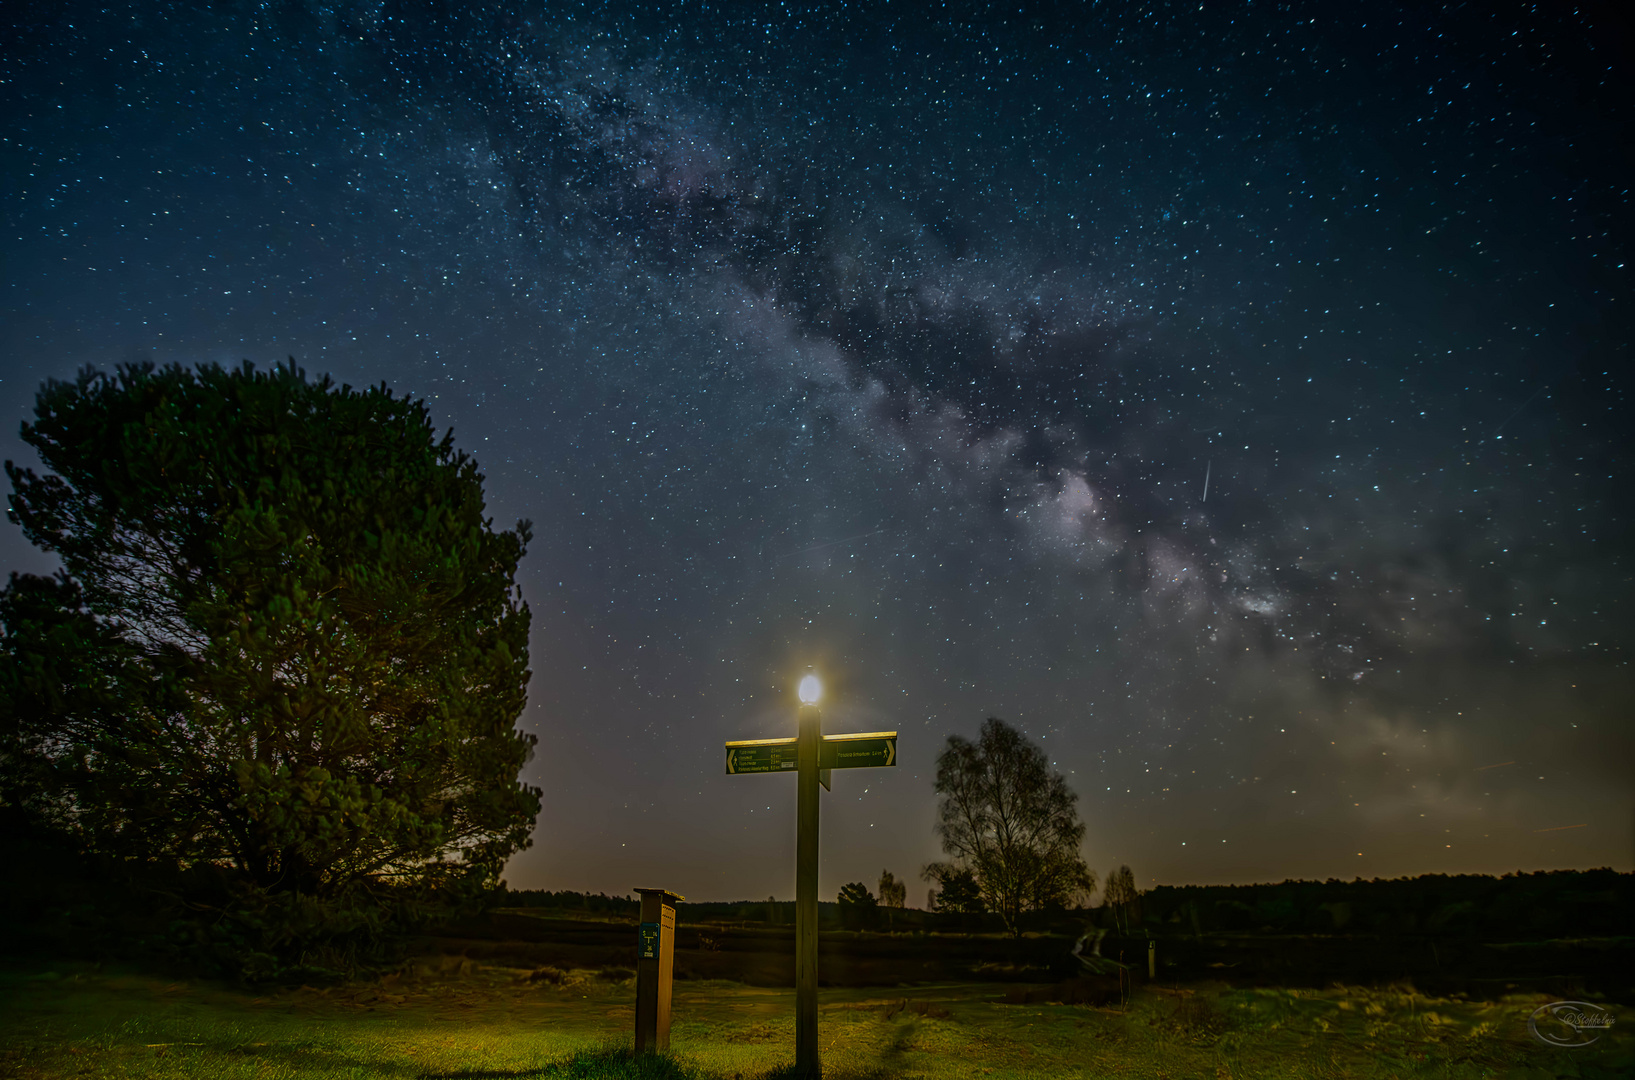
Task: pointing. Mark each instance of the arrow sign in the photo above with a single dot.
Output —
(760, 755)
(868, 750)
(874, 749)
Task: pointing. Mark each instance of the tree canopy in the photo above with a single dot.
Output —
(285, 645)
(856, 894)
(858, 907)
(1120, 895)
(1010, 821)
(893, 893)
(957, 890)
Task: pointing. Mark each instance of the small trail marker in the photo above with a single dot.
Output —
(810, 756)
(655, 963)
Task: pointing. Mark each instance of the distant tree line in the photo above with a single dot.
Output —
(856, 907)
(1518, 906)
(567, 900)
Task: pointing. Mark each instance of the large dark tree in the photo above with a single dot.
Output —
(285, 647)
(1005, 817)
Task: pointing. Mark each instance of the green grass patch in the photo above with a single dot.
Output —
(458, 1020)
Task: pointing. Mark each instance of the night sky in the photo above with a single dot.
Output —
(1234, 399)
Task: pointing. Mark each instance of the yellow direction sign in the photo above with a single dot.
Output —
(868, 750)
(760, 755)
(873, 749)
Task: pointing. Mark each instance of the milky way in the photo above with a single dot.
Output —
(902, 345)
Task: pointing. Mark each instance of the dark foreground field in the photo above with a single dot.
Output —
(468, 1020)
(535, 992)
(543, 994)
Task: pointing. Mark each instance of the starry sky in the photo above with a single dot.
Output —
(1231, 397)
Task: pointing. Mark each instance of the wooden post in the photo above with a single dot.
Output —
(810, 757)
(809, 741)
(1152, 959)
(655, 964)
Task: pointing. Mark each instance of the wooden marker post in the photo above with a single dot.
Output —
(810, 756)
(655, 964)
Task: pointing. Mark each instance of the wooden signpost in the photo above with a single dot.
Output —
(655, 963)
(810, 756)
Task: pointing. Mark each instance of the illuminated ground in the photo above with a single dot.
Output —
(472, 1021)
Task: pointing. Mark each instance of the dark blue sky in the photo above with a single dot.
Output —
(900, 343)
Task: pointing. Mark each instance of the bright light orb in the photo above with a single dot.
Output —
(810, 690)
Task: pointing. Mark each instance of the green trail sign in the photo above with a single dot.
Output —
(761, 755)
(870, 750)
(867, 750)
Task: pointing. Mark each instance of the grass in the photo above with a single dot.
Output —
(456, 1019)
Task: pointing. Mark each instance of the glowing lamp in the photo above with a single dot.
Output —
(810, 690)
